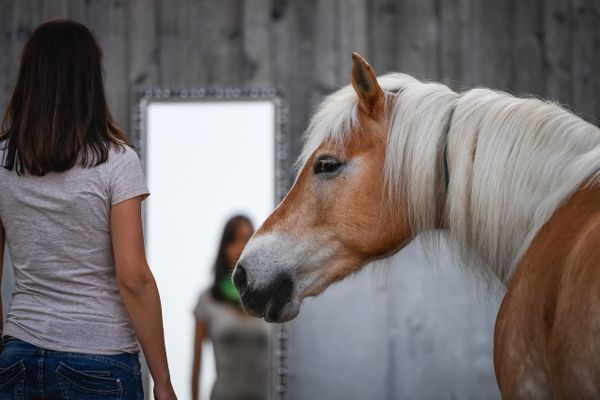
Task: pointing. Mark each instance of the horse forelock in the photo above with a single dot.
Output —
(337, 116)
(512, 162)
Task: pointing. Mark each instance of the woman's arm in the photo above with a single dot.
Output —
(139, 292)
(197, 366)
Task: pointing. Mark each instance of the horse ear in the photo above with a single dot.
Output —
(365, 84)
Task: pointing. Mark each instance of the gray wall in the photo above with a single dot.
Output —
(549, 48)
(409, 330)
(427, 335)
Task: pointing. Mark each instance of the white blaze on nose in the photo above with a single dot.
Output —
(263, 258)
(268, 255)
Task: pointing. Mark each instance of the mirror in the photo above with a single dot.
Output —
(208, 154)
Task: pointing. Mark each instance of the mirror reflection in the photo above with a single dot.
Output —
(211, 166)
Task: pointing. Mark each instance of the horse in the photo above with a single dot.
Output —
(512, 183)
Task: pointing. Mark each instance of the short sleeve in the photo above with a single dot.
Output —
(202, 309)
(127, 178)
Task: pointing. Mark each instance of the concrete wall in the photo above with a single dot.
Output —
(407, 330)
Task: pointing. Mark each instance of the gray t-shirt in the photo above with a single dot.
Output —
(58, 234)
(240, 344)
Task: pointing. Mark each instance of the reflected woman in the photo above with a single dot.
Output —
(70, 210)
(239, 341)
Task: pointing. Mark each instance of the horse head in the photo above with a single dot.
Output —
(336, 216)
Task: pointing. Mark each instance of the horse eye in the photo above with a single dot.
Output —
(327, 165)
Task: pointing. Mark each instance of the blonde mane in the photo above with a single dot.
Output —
(512, 161)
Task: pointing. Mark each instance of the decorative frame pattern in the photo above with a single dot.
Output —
(282, 178)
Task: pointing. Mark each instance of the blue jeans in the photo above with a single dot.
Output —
(30, 372)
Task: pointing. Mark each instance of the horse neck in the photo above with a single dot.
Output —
(512, 163)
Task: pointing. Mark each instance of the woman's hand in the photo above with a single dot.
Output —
(164, 392)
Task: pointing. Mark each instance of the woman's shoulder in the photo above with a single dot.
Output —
(206, 297)
(121, 153)
(204, 305)
(125, 174)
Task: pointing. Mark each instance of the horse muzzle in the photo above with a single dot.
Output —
(271, 301)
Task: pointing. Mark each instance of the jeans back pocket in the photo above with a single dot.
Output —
(86, 385)
(12, 381)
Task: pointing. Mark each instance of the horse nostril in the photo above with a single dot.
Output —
(239, 278)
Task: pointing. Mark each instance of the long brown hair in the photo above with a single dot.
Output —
(221, 267)
(58, 115)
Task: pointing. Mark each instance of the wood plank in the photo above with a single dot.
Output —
(383, 31)
(292, 62)
(107, 19)
(77, 10)
(142, 54)
(200, 43)
(52, 9)
(353, 35)
(586, 59)
(256, 42)
(557, 23)
(26, 17)
(417, 39)
(455, 43)
(142, 39)
(325, 54)
(282, 43)
(173, 59)
(225, 47)
(492, 43)
(7, 64)
(527, 48)
(302, 87)
(197, 36)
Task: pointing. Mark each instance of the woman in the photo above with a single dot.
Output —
(70, 195)
(239, 341)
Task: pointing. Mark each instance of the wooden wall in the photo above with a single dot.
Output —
(548, 48)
